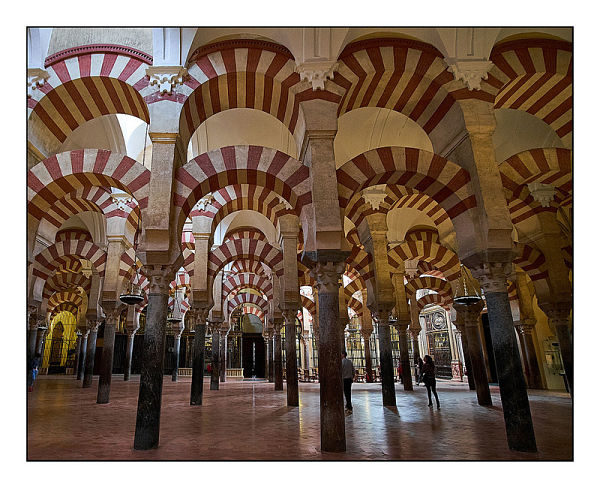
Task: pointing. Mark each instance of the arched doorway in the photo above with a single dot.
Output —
(253, 347)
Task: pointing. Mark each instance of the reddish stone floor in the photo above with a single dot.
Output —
(245, 420)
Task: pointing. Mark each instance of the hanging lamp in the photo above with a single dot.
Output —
(466, 291)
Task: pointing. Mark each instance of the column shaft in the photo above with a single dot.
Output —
(82, 356)
(176, 348)
(513, 390)
(465, 347)
(386, 363)
(77, 353)
(532, 370)
(270, 356)
(566, 351)
(198, 364)
(128, 357)
(291, 363)
(214, 375)
(478, 370)
(405, 361)
(147, 427)
(368, 360)
(277, 361)
(89, 359)
(222, 357)
(106, 363)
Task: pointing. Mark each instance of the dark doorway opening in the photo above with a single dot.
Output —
(253, 355)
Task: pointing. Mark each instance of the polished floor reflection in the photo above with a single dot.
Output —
(249, 420)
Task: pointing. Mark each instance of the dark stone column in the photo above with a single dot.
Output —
(214, 376)
(198, 364)
(404, 358)
(223, 354)
(532, 369)
(386, 362)
(366, 335)
(277, 361)
(465, 348)
(177, 328)
(470, 314)
(558, 320)
(147, 426)
(291, 362)
(90, 354)
(32, 334)
(128, 355)
(270, 356)
(333, 428)
(108, 348)
(77, 352)
(83, 354)
(40, 337)
(513, 390)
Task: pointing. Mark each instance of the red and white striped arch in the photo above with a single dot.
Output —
(532, 261)
(245, 233)
(356, 285)
(87, 82)
(247, 280)
(250, 249)
(536, 76)
(429, 283)
(361, 262)
(64, 307)
(247, 265)
(66, 296)
(355, 305)
(422, 235)
(61, 281)
(309, 305)
(427, 268)
(65, 173)
(404, 75)
(247, 308)
(247, 298)
(233, 198)
(445, 182)
(253, 165)
(439, 256)
(434, 299)
(551, 166)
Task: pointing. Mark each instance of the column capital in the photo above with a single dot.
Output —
(112, 310)
(160, 277)
(93, 324)
(525, 326)
(328, 275)
(557, 312)
(166, 77)
(289, 315)
(493, 275)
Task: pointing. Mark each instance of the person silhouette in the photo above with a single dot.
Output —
(428, 376)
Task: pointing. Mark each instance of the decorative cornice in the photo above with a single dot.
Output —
(239, 44)
(166, 77)
(97, 49)
(36, 77)
(316, 73)
(472, 72)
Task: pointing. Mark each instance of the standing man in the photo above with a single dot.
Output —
(347, 376)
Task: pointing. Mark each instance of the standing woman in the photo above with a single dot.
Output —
(429, 380)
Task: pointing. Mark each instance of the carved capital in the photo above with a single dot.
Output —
(160, 277)
(166, 77)
(36, 77)
(93, 324)
(316, 73)
(112, 311)
(542, 193)
(557, 312)
(411, 267)
(374, 196)
(471, 72)
(328, 276)
(492, 276)
(289, 315)
(122, 200)
(525, 326)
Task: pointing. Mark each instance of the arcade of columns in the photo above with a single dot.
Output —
(501, 228)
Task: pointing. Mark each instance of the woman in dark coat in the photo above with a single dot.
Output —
(428, 376)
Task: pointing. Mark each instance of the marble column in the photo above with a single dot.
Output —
(77, 352)
(291, 362)
(32, 333)
(513, 389)
(306, 339)
(83, 354)
(404, 358)
(465, 349)
(214, 375)
(40, 337)
(386, 362)
(147, 426)
(176, 347)
(532, 370)
(198, 361)
(333, 428)
(366, 335)
(470, 316)
(90, 354)
(277, 361)
(558, 320)
(270, 356)
(223, 352)
(113, 312)
(414, 340)
(128, 355)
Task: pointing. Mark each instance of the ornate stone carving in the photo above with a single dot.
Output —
(159, 276)
(93, 324)
(411, 267)
(166, 77)
(328, 276)
(36, 77)
(204, 202)
(374, 196)
(316, 73)
(542, 193)
(122, 200)
(289, 315)
(525, 326)
(469, 313)
(471, 72)
(492, 276)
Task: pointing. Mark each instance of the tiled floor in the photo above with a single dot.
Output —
(245, 420)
